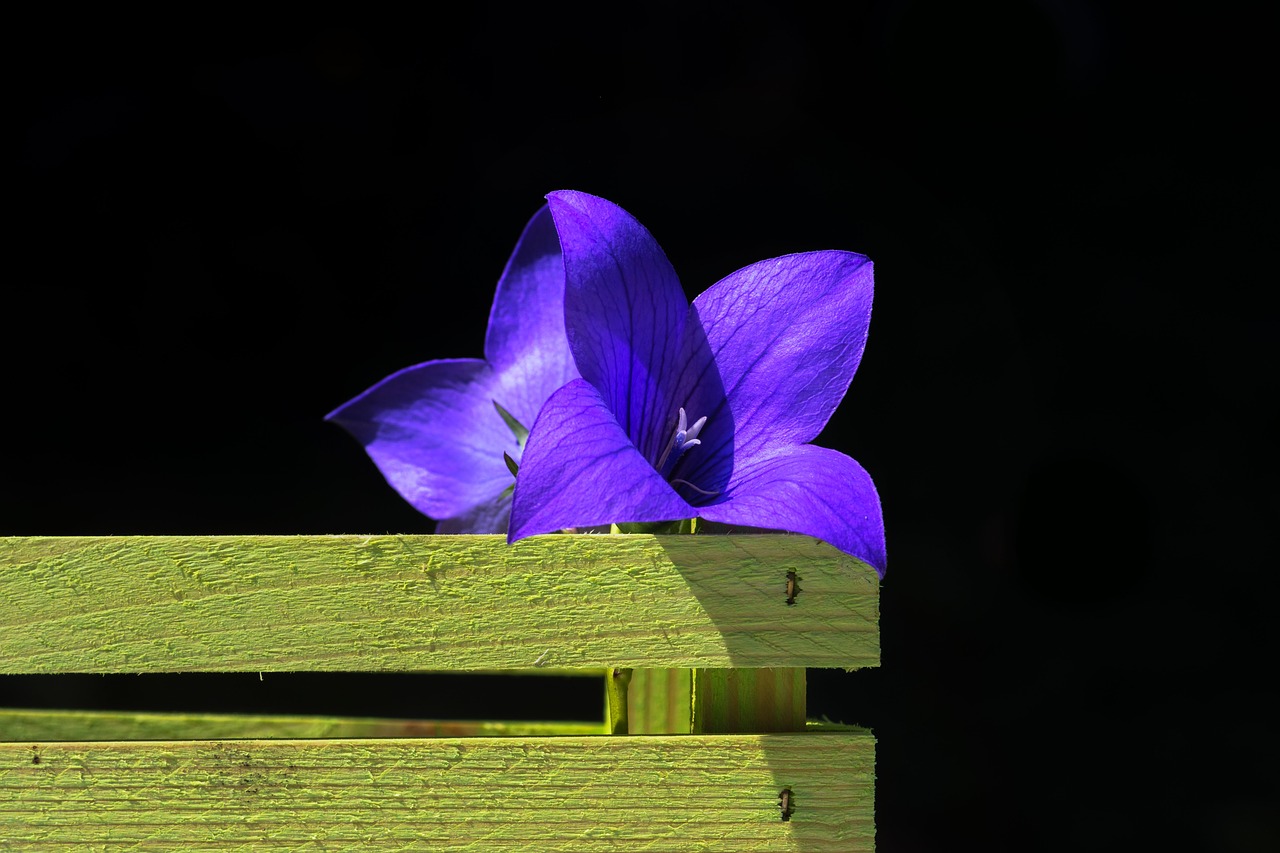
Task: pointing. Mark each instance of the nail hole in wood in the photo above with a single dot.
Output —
(786, 803)
(793, 587)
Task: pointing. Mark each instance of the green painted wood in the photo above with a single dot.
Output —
(616, 706)
(718, 701)
(57, 725)
(579, 794)
(660, 701)
(748, 700)
(460, 603)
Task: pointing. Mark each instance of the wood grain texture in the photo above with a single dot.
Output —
(580, 794)
(54, 725)
(748, 700)
(661, 701)
(401, 603)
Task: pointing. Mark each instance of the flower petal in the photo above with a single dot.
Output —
(786, 336)
(580, 470)
(525, 342)
(811, 490)
(624, 312)
(488, 517)
(434, 434)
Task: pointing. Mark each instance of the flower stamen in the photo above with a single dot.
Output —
(684, 438)
(680, 482)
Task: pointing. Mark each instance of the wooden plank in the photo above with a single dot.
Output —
(579, 794)
(459, 603)
(52, 725)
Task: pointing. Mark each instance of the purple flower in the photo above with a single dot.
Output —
(702, 410)
(435, 430)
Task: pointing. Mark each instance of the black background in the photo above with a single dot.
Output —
(227, 227)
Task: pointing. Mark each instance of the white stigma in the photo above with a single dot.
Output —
(685, 437)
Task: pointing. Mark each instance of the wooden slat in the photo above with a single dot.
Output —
(580, 794)
(49, 725)
(461, 603)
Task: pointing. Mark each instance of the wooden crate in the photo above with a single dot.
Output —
(718, 742)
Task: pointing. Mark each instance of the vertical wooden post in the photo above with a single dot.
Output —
(717, 701)
(661, 701)
(746, 701)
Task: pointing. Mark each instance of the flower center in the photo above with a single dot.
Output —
(685, 437)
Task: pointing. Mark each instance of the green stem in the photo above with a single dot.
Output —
(616, 681)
